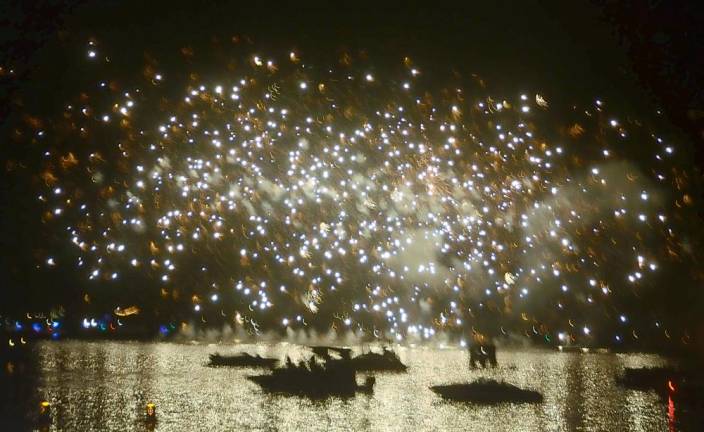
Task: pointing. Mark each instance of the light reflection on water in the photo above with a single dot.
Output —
(106, 385)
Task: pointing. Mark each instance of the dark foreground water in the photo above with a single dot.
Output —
(96, 386)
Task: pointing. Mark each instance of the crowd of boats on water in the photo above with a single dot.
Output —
(329, 371)
(332, 371)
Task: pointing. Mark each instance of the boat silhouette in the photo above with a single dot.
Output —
(242, 360)
(388, 360)
(334, 377)
(487, 391)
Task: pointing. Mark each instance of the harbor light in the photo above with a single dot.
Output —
(44, 412)
(151, 411)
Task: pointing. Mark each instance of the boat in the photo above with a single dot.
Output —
(242, 360)
(388, 360)
(646, 378)
(663, 380)
(683, 386)
(332, 378)
(487, 391)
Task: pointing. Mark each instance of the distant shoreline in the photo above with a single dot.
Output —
(513, 348)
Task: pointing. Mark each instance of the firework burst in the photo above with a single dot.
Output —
(286, 196)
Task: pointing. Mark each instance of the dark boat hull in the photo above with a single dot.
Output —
(373, 365)
(378, 362)
(242, 361)
(487, 393)
(681, 385)
(308, 388)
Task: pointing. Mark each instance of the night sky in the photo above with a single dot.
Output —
(642, 58)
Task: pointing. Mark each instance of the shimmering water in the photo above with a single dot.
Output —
(105, 386)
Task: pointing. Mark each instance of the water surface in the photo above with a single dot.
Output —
(105, 386)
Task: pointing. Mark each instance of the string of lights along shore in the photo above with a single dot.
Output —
(287, 195)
